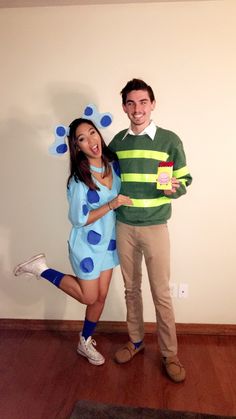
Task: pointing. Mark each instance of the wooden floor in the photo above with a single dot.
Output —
(41, 375)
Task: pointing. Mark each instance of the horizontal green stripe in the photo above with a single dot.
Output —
(181, 172)
(139, 177)
(142, 154)
(147, 203)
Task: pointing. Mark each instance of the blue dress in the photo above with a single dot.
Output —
(92, 248)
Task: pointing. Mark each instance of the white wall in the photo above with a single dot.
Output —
(54, 61)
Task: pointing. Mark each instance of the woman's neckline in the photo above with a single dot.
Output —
(97, 169)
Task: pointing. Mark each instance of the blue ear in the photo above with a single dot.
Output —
(61, 131)
(59, 146)
(101, 120)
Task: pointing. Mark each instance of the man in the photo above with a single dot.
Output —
(142, 228)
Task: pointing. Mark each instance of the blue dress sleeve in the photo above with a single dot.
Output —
(78, 205)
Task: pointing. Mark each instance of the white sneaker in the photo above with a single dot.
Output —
(86, 349)
(34, 266)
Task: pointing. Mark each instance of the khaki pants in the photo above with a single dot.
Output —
(152, 242)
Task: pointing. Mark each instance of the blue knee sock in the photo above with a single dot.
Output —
(53, 276)
(88, 328)
(137, 344)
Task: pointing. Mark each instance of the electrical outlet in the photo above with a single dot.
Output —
(173, 290)
(183, 290)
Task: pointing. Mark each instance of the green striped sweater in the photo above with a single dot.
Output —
(139, 157)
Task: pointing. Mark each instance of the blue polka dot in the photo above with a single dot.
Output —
(62, 148)
(93, 237)
(92, 196)
(60, 131)
(112, 245)
(116, 167)
(88, 111)
(85, 209)
(87, 265)
(105, 121)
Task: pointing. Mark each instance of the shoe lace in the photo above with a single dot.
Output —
(90, 346)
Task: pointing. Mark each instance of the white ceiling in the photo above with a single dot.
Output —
(38, 3)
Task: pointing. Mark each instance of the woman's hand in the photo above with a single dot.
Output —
(120, 200)
(175, 183)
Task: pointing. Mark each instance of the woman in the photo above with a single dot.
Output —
(93, 195)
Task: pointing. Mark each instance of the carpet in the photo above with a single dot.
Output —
(92, 410)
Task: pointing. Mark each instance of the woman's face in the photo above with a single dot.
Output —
(89, 141)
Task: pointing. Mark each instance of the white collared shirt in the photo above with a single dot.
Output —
(150, 130)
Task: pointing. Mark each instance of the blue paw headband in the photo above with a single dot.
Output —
(101, 120)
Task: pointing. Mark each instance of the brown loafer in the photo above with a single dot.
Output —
(127, 352)
(174, 368)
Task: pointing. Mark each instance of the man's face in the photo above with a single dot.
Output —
(138, 108)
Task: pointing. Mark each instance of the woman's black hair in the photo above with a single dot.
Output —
(79, 164)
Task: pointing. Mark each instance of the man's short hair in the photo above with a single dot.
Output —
(136, 84)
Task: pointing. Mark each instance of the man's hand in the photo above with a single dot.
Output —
(175, 183)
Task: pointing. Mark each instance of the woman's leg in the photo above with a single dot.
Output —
(94, 311)
(92, 292)
(84, 291)
(86, 346)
